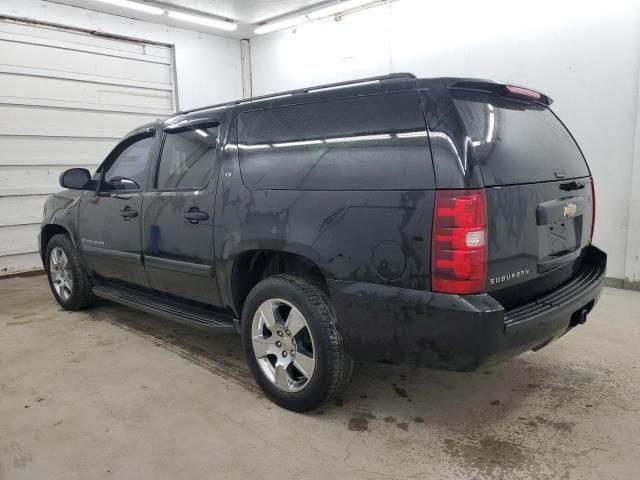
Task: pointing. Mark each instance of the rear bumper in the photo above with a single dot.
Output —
(459, 332)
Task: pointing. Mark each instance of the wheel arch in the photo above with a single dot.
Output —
(252, 266)
(47, 232)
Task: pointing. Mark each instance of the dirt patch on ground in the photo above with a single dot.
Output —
(492, 457)
(360, 423)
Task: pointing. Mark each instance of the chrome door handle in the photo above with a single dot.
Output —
(194, 215)
(128, 213)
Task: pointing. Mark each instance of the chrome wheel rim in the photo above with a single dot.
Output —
(283, 345)
(60, 272)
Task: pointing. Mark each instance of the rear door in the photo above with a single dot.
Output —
(177, 228)
(538, 190)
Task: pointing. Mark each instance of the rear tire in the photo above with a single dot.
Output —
(69, 282)
(289, 329)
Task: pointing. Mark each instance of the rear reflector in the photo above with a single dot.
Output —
(459, 242)
(522, 92)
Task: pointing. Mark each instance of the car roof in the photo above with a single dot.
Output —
(393, 82)
(362, 86)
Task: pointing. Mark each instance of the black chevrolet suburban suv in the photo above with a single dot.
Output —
(439, 222)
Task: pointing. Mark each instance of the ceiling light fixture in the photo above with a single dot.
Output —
(313, 15)
(280, 25)
(209, 22)
(134, 6)
(337, 8)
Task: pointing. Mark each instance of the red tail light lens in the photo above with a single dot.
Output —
(459, 242)
(593, 208)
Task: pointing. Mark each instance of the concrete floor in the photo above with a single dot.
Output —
(113, 393)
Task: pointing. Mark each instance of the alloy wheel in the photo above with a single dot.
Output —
(60, 272)
(283, 345)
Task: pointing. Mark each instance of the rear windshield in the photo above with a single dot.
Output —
(518, 143)
(376, 142)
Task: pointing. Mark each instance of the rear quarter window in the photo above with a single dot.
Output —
(515, 143)
(376, 142)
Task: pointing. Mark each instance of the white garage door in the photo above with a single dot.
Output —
(66, 97)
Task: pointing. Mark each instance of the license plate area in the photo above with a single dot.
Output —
(559, 239)
(560, 228)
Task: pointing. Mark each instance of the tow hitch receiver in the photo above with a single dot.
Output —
(580, 317)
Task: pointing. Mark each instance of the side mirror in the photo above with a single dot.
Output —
(75, 178)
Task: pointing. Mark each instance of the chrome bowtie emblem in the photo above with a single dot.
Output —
(570, 210)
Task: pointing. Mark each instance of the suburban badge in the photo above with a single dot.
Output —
(509, 276)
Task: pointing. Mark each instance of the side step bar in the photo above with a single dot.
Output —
(170, 310)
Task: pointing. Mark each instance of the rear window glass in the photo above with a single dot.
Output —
(377, 142)
(516, 144)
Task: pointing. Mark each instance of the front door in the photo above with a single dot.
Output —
(109, 222)
(177, 220)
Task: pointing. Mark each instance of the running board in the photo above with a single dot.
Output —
(170, 310)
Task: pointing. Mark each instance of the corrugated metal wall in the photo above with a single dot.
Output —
(66, 97)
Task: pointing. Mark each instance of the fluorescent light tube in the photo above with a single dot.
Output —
(202, 133)
(209, 22)
(141, 7)
(337, 8)
(299, 143)
(282, 24)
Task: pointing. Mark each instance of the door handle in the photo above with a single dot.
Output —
(194, 215)
(128, 213)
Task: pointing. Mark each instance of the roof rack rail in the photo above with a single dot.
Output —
(329, 86)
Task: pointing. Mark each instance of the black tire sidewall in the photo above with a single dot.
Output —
(315, 391)
(63, 242)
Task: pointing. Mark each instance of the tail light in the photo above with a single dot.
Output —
(459, 242)
(593, 208)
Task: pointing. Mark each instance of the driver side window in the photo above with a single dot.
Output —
(129, 170)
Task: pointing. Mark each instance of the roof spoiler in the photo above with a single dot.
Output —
(504, 90)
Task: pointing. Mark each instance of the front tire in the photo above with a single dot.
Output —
(69, 282)
(293, 343)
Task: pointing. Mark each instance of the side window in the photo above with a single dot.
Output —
(376, 142)
(129, 170)
(187, 159)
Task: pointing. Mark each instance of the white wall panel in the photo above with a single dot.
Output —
(53, 34)
(31, 150)
(21, 263)
(32, 90)
(38, 176)
(60, 59)
(23, 210)
(66, 98)
(207, 67)
(17, 240)
(69, 121)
